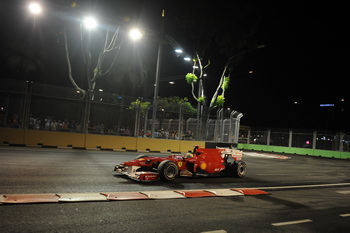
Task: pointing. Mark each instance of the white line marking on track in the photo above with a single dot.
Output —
(344, 215)
(271, 174)
(217, 231)
(304, 186)
(344, 192)
(278, 224)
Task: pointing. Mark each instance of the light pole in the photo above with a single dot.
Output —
(156, 85)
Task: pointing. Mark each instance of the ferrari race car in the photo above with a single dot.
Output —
(202, 162)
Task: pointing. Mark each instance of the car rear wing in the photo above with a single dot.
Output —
(235, 154)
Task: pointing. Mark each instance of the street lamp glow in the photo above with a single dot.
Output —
(135, 34)
(90, 22)
(34, 8)
(187, 58)
(179, 51)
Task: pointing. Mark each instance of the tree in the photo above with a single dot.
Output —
(170, 107)
(138, 105)
(226, 30)
(96, 66)
(101, 67)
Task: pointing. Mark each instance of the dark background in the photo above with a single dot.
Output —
(302, 65)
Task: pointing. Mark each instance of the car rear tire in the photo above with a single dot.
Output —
(168, 170)
(238, 169)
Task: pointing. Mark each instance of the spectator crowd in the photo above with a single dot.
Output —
(51, 124)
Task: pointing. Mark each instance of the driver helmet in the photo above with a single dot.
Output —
(188, 155)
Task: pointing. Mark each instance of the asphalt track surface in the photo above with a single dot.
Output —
(308, 194)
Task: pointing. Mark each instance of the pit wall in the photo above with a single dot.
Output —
(88, 141)
(298, 151)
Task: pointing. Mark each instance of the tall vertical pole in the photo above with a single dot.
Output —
(249, 136)
(290, 140)
(314, 139)
(180, 126)
(26, 107)
(238, 125)
(232, 127)
(268, 140)
(156, 85)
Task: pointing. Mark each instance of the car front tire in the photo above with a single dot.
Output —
(168, 170)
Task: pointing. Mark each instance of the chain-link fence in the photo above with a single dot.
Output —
(28, 105)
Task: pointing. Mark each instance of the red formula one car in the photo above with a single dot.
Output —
(202, 162)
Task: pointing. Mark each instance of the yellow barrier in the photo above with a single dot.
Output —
(110, 142)
(150, 144)
(55, 138)
(11, 136)
(186, 146)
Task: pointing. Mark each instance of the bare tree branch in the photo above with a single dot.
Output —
(106, 49)
(77, 88)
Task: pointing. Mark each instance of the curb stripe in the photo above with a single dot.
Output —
(251, 191)
(75, 197)
(225, 192)
(29, 198)
(164, 194)
(120, 196)
(123, 196)
(196, 193)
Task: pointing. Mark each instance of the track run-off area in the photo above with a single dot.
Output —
(280, 193)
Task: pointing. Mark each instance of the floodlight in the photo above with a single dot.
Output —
(90, 22)
(34, 8)
(135, 34)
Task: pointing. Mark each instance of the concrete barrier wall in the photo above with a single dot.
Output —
(65, 139)
(299, 151)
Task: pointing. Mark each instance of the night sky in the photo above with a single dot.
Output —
(304, 62)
